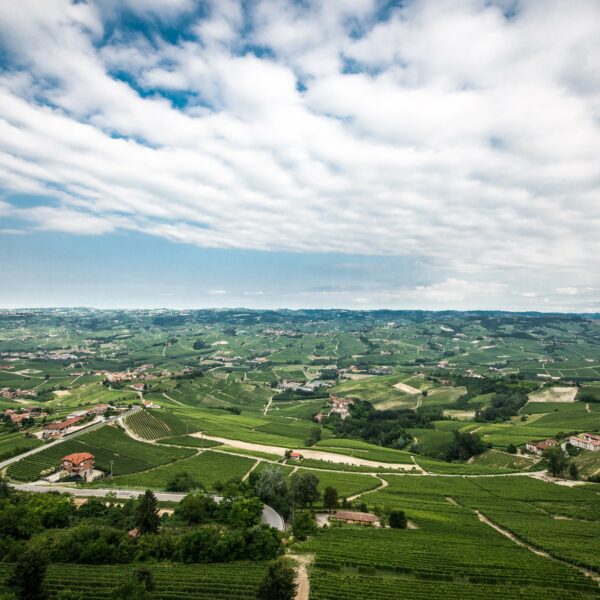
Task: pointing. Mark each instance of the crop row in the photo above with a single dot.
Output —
(332, 586)
(172, 582)
(156, 425)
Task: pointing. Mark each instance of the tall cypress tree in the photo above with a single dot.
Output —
(146, 513)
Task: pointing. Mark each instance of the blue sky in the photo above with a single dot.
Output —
(276, 153)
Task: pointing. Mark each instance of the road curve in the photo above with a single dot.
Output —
(269, 515)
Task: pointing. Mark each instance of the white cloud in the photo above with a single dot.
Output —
(444, 132)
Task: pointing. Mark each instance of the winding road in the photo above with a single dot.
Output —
(269, 515)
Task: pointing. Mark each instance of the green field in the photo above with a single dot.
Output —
(106, 444)
(206, 468)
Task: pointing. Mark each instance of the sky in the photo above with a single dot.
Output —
(426, 154)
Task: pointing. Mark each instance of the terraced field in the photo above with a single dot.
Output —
(106, 444)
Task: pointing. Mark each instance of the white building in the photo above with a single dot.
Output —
(587, 441)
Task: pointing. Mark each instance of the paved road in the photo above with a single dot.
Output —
(269, 515)
(71, 436)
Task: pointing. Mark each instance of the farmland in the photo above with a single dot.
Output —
(261, 383)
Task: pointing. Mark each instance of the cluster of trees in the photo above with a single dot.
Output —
(271, 486)
(504, 404)
(464, 446)
(314, 435)
(200, 530)
(558, 463)
(382, 427)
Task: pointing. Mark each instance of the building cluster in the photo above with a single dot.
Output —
(58, 429)
(43, 355)
(282, 332)
(585, 441)
(138, 373)
(538, 448)
(340, 406)
(297, 386)
(18, 416)
(16, 394)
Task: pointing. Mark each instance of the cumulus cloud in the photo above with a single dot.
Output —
(453, 131)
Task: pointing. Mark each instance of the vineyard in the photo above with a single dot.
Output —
(450, 544)
(106, 444)
(331, 585)
(232, 581)
(206, 468)
(153, 425)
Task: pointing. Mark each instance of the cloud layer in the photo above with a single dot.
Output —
(463, 133)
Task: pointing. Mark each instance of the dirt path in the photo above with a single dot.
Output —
(302, 579)
(513, 538)
(384, 484)
(131, 434)
(173, 399)
(315, 454)
(250, 470)
(268, 406)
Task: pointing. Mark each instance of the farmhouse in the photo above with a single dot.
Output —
(80, 464)
(539, 447)
(58, 429)
(354, 518)
(587, 441)
(138, 387)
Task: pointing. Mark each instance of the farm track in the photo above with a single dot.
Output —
(173, 399)
(384, 484)
(520, 542)
(315, 454)
(302, 578)
(250, 470)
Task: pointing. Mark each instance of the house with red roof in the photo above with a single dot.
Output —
(79, 464)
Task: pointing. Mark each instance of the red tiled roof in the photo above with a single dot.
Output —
(346, 515)
(62, 424)
(78, 457)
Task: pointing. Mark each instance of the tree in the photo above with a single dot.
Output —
(146, 513)
(69, 595)
(304, 489)
(196, 509)
(398, 519)
(511, 449)
(145, 577)
(181, 482)
(4, 488)
(279, 582)
(556, 459)
(29, 574)
(304, 525)
(330, 498)
(271, 487)
(464, 446)
(314, 435)
(130, 588)
(573, 471)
